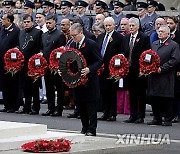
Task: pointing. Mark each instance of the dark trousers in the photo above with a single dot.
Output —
(109, 99)
(54, 83)
(176, 105)
(11, 91)
(137, 98)
(31, 91)
(162, 107)
(88, 114)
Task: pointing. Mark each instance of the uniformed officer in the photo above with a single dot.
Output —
(81, 9)
(47, 6)
(150, 18)
(142, 12)
(65, 10)
(118, 15)
(8, 7)
(37, 3)
(100, 7)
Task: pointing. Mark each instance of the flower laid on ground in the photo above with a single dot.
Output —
(58, 145)
(14, 61)
(118, 66)
(54, 59)
(149, 62)
(71, 63)
(37, 66)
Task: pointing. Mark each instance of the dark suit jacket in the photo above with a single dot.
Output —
(90, 91)
(8, 40)
(114, 47)
(141, 44)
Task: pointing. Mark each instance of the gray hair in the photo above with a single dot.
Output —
(77, 26)
(167, 29)
(98, 26)
(109, 19)
(134, 20)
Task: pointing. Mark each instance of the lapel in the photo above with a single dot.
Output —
(136, 41)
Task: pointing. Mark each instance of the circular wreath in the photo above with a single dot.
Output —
(59, 145)
(54, 59)
(35, 71)
(71, 63)
(13, 65)
(151, 66)
(100, 70)
(122, 69)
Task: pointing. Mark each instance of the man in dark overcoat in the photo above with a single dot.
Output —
(88, 94)
(134, 44)
(29, 44)
(8, 39)
(110, 44)
(161, 85)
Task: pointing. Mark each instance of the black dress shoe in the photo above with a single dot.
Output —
(34, 112)
(155, 122)
(139, 121)
(130, 120)
(73, 115)
(3, 110)
(23, 112)
(103, 117)
(48, 113)
(10, 111)
(56, 114)
(83, 131)
(90, 134)
(176, 119)
(112, 118)
(167, 123)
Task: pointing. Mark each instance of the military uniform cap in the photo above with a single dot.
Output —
(37, 1)
(81, 3)
(65, 4)
(118, 4)
(29, 4)
(47, 3)
(100, 4)
(8, 3)
(131, 15)
(141, 5)
(152, 4)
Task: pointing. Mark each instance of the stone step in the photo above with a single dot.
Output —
(14, 129)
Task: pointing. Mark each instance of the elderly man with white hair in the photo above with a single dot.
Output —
(110, 43)
(134, 44)
(161, 84)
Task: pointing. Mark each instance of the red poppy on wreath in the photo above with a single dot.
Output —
(83, 45)
(58, 145)
(37, 66)
(14, 61)
(100, 70)
(71, 63)
(166, 44)
(149, 62)
(111, 39)
(137, 40)
(54, 59)
(118, 66)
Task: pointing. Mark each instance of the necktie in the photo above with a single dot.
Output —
(104, 45)
(131, 45)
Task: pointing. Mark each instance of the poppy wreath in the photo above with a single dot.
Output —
(54, 59)
(100, 70)
(121, 69)
(151, 65)
(13, 64)
(71, 63)
(59, 145)
(35, 71)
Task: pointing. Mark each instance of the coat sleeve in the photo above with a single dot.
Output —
(173, 61)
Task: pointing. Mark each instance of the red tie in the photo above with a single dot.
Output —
(41, 27)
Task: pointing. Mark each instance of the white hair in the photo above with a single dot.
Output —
(109, 19)
(134, 20)
(167, 29)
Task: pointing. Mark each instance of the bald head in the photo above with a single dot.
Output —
(65, 25)
(100, 18)
(159, 22)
